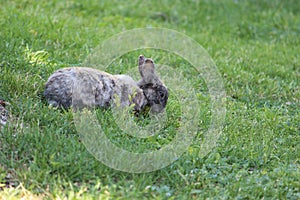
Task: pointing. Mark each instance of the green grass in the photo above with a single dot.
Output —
(255, 45)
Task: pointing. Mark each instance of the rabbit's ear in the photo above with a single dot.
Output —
(149, 71)
(141, 62)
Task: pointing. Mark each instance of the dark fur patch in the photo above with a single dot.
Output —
(155, 94)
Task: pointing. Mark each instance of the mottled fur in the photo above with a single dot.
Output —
(82, 86)
(3, 113)
(91, 88)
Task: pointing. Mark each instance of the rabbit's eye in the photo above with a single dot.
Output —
(161, 94)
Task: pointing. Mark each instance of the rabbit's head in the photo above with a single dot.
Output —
(156, 96)
(155, 92)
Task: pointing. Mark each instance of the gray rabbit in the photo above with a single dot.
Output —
(83, 87)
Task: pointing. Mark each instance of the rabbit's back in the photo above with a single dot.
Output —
(91, 87)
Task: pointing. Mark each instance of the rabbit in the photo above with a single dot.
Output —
(92, 87)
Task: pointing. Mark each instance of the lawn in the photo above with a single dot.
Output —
(255, 45)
